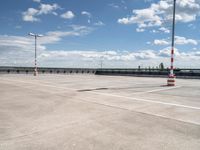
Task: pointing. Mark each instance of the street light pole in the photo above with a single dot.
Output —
(35, 72)
(35, 36)
(171, 78)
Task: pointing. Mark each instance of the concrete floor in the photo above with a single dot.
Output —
(88, 112)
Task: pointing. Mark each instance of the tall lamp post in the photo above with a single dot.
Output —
(171, 77)
(36, 36)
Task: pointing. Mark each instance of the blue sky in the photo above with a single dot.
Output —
(77, 33)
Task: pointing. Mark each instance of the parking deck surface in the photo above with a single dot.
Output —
(88, 112)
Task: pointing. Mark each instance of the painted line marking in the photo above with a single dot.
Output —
(133, 110)
(113, 95)
(158, 90)
(145, 100)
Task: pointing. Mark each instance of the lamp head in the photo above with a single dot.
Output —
(31, 34)
(40, 35)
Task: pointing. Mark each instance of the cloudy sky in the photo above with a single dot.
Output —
(84, 33)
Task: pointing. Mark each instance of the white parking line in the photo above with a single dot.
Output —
(113, 95)
(136, 110)
(157, 90)
(146, 100)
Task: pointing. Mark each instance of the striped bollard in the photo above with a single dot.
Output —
(171, 77)
(171, 80)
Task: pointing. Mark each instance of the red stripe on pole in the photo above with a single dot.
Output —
(172, 52)
(172, 80)
(172, 59)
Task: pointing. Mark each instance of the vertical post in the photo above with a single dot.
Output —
(35, 71)
(172, 46)
(101, 64)
(171, 78)
(35, 36)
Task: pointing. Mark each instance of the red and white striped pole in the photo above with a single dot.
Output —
(171, 77)
(35, 35)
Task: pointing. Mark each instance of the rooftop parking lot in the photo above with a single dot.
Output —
(88, 112)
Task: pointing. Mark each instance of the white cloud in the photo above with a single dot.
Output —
(179, 40)
(113, 5)
(99, 23)
(154, 31)
(161, 42)
(193, 4)
(143, 17)
(182, 41)
(26, 43)
(55, 13)
(121, 5)
(16, 50)
(192, 26)
(55, 36)
(89, 21)
(194, 48)
(148, 42)
(52, 37)
(160, 13)
(38, 1)
(67, 15)
(31, 14)
(19, 51)
(165, 30)
(47, 8)
(86, 13)
(147, 1)
(166, 52)
(140, 30)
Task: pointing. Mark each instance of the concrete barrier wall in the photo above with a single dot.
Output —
(30, 70)
(180, 73)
